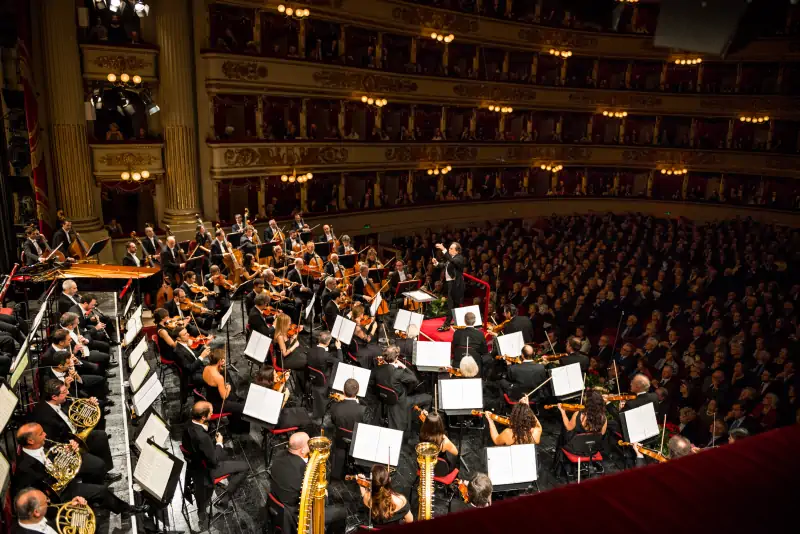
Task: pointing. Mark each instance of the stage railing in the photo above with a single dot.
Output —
(485, 297)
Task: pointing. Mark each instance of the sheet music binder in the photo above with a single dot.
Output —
(407, 285)
(5, 474)
(511, 467)
(138, 375)
(342, 371)
(155, 460)
(639, 424)
(376, 445)
(435, 355)
(459, 313)
(152, 426)
(460, 396)
(8, 402)
(257, 347)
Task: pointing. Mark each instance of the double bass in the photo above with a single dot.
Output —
(148, 258)
(78, 248)
(369, 289)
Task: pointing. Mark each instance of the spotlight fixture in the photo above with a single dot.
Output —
(149, 105)
(117, 6)
(560, 53)
(297, 12)
(689, 62)
(765, 118)
(501, 109)
(615, 114)
(551, 167)
(672, 170)
(440, 37)
(100, 4)
(377, 102)
(292, 178)
(141, 9)
(436, 171)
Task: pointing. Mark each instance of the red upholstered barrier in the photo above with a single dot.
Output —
(752, 486)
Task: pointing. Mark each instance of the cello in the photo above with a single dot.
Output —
(77, 248)
(148, 258)
(369, 289)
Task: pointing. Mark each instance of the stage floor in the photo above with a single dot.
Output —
(250, 512)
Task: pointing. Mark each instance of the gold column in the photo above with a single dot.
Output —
(342, 41)
(262, 197)
(443, 121)
(257, 28)
(779, 82)
(304, 197)
(559, 125)
(589, 127)
(304, 118)
(476, 60)
(378, 117)
(563, 78)
(260, 117)
(473, 121)
(342, 194)
(622, 124)
(693, 133)
(722, 187)
(379, 51)
(685, 187)
(301, 38)
(729, 139)
(72, 167)
(342, 116)
(770, 134)
(411, 112)
(537, 12)
(414, 44)
(657, 130)
(553, 180)
(526, 179)
(507, 56)
(478, 6)
(529, 126)
(700, 69)
(376, 190)
(628, 75)
(410, 183)
(635, 16)
(440, 185)
(173, 36)
(650, 180)
(498, 180)
(663, 81)
(584, 183)
(615, 187)
(534, 67)
(509, 5)
(446, 55)
(595, 71)
(469, 185)
(502, 124)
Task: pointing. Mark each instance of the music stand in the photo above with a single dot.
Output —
(348, 261)
(640, 423)
(147, 394)
(408, 285)
(263, 405)
(257, 347)
(343, 371)
(8, 401)
(154, 428)
(158, 472)
(432, 356)
(512, 468)
(460, 397)
(137, 353)
(5, 475)
(234, 238)
(245, 285)
(266, 250)
(97, 247)
(137, 376)
(567, 380)
(375, 445)
(305, 236)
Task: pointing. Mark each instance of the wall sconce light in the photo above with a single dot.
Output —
(436, 171)
(289, 11)
(615, 114)
(551, 167)
(136, 176)
(377, 102)
(689, 62)
(672, 170)
(765, 118)
(442, 38)
(501, 109)
(292, 178)
(124, 79)
(560, 53)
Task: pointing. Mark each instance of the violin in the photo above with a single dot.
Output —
(363, 482)
(462, 489)
(622, 397)
(451, 371)
(164, 294)
(567, 407)
(494, 417)
(338, 397)
(195, 342)
(657, 456)
(188, 305)
(498, 327)
(423, 414)
(550, 357)
(509, 359)
(220, 281)
(280, 380)
(200, 290)
(293, 331)
(173, 322)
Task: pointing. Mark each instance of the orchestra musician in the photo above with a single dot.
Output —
(219, 250)
(69, 322)
(454, 277)
(333, 268)
(63, 370)
(207, 456)
(398, 275)
(360, 284)
(432, 431)
(256, 319)
(295, 242)
(311, 258)
(69, 296)
(287, 348)
(93, 324)
(166, 343)
(220, 302)
(189, 280)
(173, 308)
(151, 244)
(64, 237)
(31, 506)
(173, 261)
(574, 355)
(61, 341)
(272, 234)
(131, 258)
(299, 224)
(363, 337)
(286, 485)
(278, 258)
(333, 306)
(49, 414)
(516, 323)
(406, 345)
(345, 415)
(220, 393)
(237, 226)
(327, 234)
(249, 299)
(386, 506)
(286, 301)
(479, 494)
(34, 247)
(524, 377)
(345, 247)
(469, 341)
(247, 243)
(395, 375)
(300, 291)
(525, 427)
(295, 416)
(590, 420)
(328, 288)
(31, 473)
(320, 364)
(202, 237)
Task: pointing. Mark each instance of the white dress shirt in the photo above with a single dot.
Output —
(41, 526)
(61, 414)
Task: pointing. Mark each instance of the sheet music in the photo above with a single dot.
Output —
(257, 347)
(8, 401)
(153, 470)
(310, 306)
(23, 351)
(5, 472)
(22, 365)
(263, 404)
(138, 374)
(225, 318)
(377, 444)
(433, 354)
(373, 308)
(418, 295)
(406, 318)
(343, 330)
(128, 304)
(515, 464)
(567, 379)
(134, 326)
(155, 428)
(148, 393)
(137, 353)
(511, 344)
(137, 315)
(459, 314)
(641, 423)
(343, 371)
(461, 394)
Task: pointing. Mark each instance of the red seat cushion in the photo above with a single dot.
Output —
(447, 480)
(574, 457)
(279, 431)
(220, 479)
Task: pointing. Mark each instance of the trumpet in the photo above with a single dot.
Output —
(62, 463)
(74, 518)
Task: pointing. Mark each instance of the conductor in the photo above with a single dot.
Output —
(454, 278)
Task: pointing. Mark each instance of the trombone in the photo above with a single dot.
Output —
(74, 518)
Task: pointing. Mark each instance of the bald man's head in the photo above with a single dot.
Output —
(640, 383)
(298, 444)
(31, 436)
(31, 505)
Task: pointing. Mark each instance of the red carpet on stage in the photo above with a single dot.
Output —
(429, 328)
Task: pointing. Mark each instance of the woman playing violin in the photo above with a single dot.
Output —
(289, 416)
(591, 420)
(525, 427)
(363, 336)
(278, 259)
(220, 393)
(372, 259)
(166, 344)
(432, 431)
(287, 355)
(386, 506)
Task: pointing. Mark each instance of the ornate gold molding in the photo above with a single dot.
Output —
(127, 159)
(120, 63)
(495, 92)
(244, 70)
(436, 19)
(284, 156)
(557, 38)
(413, 154)
(364, 82)
(666, 157)
(99, 60)
(610, 98)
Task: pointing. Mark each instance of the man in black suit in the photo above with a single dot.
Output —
(256, 319)
(33, 248)
(61, 341)
(93, 324)
(574, 355)
(301, 292)
(632, 329)
(602, 352)
(333, 268)
(398, 275)
(479, 494)
(173, 261)
(237, 226)
(32, 473)
(331, 309)
(191, 361)
(69, 322)
(173, 307)
(517, 323)
(345, 415)
(396, 376)
(219, 249)
(289, 304)
(151, 244)
(454, 277)
(62, 237)
(469, 337)
(320, 363)
(131, 258)
(640, 386)
(522, 378)
(81, 386)
(737, 417)
(271, 231)
(250, 298)
(31, 506)
(286, 477)
(49, 413)
(360, 285)
(69, 296)
(206, 456)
